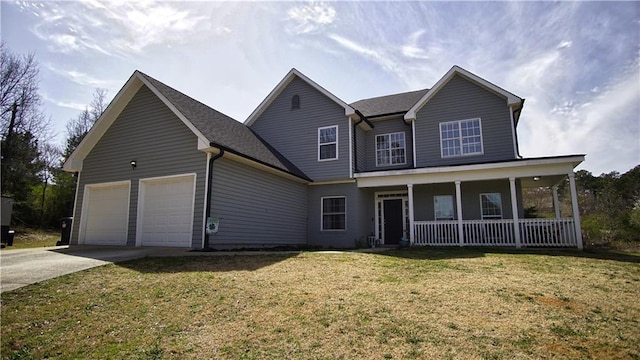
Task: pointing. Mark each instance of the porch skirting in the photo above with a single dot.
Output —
(558, 232)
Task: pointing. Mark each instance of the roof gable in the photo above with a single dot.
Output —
(456, 70)
(211, 127)
(293, 73)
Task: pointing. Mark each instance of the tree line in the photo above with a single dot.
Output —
(31, 161)
(43, 193)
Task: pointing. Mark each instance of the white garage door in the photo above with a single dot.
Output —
(166, 217)
(106, 214)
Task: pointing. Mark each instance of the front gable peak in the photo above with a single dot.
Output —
(512, 100)
(291, 75)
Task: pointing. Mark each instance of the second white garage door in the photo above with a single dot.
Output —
(105, 214)
(165, 217)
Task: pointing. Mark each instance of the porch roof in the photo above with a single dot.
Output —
(547, 171)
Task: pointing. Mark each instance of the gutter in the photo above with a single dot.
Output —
(209, 187)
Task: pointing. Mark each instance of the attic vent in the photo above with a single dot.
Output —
(295, 102)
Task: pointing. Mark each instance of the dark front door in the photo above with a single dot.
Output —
(392, 221)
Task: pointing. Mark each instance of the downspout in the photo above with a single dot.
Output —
(515, 128)
(355, 139)
(209, 188)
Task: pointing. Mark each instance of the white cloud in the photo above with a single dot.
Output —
(83, 78)
(65, 104)
(121, 28)
(310, 18)
(565, 44)
(411, 49)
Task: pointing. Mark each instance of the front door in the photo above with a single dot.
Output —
(392, 221)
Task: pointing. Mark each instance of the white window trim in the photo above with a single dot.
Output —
(459, 127)
(322, 212)
(404, 147)
(491, 217)
(453, 208)
(329, 143)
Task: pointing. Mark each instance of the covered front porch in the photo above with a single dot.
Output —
(473, 205)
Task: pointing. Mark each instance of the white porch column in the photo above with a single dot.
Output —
(412, 230)
(574, 207)
(514, 211)
(556, 202)
(459, 211)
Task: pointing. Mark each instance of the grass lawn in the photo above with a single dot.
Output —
(402, 304)
(31, 238)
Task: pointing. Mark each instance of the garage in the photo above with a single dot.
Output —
(165, 211)
(106, 214)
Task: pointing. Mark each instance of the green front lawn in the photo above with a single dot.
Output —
(425, 303)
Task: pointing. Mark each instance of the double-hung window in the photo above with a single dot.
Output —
(328, 143)
(334, 213)
(491, 206)
(390, 149)
(462, 137)
(443, 207)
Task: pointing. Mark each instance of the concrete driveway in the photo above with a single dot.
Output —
(22, 267)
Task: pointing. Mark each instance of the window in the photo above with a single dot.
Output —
(334, 213)
(390, 149)
(459, 138)
(328, 143)
(295, 102)
(491, 205)
(443, 207)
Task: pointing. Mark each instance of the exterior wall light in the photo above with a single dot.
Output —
(536, 178)
(133, 164)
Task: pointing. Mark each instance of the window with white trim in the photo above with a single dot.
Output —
(491, 205)
(390, 149)
(328, 143)
(334, 213)
(461, 137)
(443, 207)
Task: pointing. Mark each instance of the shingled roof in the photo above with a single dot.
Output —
(389, 104)
(223, 131)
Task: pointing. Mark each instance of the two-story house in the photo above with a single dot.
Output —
(437, 166)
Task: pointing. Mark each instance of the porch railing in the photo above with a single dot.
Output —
(547, 232)
(533, 233)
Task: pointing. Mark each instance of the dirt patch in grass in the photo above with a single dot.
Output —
(430, 303)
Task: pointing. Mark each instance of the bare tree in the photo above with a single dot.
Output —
(79, 126)
(19, 99)
(49, 157)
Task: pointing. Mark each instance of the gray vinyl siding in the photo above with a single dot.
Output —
(461, 99)
(423, 198)
(149, 133)
(386, 127)
(355, 225)
(256, 208)
(360, 157)
(294, 132)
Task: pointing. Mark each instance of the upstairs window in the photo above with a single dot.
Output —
(328, 143)
(295, 102)
(390, 149)
(334, 213)
(491, 205)
(462, 137)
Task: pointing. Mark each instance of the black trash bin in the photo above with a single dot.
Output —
(65, 233)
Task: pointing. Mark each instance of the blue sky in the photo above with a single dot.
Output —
(576, 63)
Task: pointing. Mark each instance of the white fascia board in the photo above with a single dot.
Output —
(203, 142)
(348, 110)
(110, 114)
(516, 169)
(511, 98)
